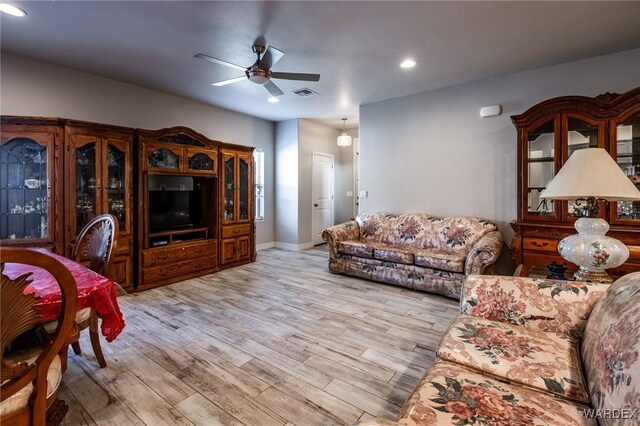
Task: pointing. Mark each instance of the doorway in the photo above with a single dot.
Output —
(322, 215)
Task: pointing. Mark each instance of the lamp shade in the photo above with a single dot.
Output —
(591, 172)
(344, 140)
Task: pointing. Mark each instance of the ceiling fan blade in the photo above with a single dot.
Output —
(273, 89)
(270, 57)
(219, 61)
(229, 81)
(296, 76)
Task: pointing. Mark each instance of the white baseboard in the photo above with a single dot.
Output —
(265, 246)
(294, 247)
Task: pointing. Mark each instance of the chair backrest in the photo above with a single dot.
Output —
(18, 315)
(611, 350)
(96, 243)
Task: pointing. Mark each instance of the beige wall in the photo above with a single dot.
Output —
(34, 88)
(286, 182)
(431, 152)
(313, 137)
(345, 181)
(296, 141)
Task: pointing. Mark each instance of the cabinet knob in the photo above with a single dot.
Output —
(537, 244)
(315, 205)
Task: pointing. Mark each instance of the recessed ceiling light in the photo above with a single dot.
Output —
(408, 63)
(273, 100)
(12, 10)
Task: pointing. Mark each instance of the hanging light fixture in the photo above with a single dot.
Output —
(344, 139)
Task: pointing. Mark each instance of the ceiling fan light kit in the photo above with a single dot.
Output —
(12, 10)
(260, 72)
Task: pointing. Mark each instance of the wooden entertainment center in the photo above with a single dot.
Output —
(184, 202)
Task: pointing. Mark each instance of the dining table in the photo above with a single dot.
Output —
(94, 291)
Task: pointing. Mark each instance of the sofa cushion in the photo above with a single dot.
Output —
(393, 254)
(356, 248)
(611, 348)
(376, 227)
(450, 394)
(446, 260)
(557, 306)
(461, 233)
(547, 361)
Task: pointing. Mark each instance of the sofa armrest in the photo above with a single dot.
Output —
(484, 253)
(343, 232)
(548, 305)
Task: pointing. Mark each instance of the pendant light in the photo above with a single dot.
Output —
(344, 139)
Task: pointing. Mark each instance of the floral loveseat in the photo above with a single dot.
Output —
(517, 353)
(414, 250)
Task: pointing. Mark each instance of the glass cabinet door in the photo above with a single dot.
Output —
(243, 189)
(581, 133)
(627, 153)
(540, 169)
(199, 161)
(229, 187)
(24, 190)
(116, 184)
(87, 184)
(163, 158)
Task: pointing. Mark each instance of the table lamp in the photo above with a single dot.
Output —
(591, 177)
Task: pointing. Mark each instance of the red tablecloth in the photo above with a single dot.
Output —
(94, 291)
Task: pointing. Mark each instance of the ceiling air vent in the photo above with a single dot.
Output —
(304, 93)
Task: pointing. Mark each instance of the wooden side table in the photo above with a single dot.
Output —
(533, 271)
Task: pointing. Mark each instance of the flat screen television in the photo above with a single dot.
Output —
(171, 209)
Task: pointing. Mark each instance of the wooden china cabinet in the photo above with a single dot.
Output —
(98, 180)
(237, 229)
(184, 202)
(548, 133)
(30, 168)
(177, 204)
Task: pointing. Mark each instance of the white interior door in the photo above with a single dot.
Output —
(322, 195)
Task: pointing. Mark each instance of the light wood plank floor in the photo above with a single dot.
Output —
(277, 342)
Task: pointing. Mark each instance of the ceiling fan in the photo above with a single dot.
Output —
(260, 72)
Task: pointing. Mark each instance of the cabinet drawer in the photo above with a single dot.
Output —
(235, 231)
(164, 255)
(540, 244)
(176, 269)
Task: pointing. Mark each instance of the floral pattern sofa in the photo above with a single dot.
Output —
(414, 250)
(534, 352)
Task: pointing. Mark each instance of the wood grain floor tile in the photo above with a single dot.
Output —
(277, 342)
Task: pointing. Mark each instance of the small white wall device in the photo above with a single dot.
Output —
(490, 111)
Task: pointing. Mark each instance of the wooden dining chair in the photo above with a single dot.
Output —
(30, 377)
(95, 245)
(94, 248)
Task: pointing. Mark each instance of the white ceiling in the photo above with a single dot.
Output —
(355, 46)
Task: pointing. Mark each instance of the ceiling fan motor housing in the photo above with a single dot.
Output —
(257, 75)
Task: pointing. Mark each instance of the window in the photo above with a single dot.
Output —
(258, 156)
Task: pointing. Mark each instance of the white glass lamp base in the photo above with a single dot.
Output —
(592, 251)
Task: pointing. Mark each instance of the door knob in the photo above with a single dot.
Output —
(315, 205)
